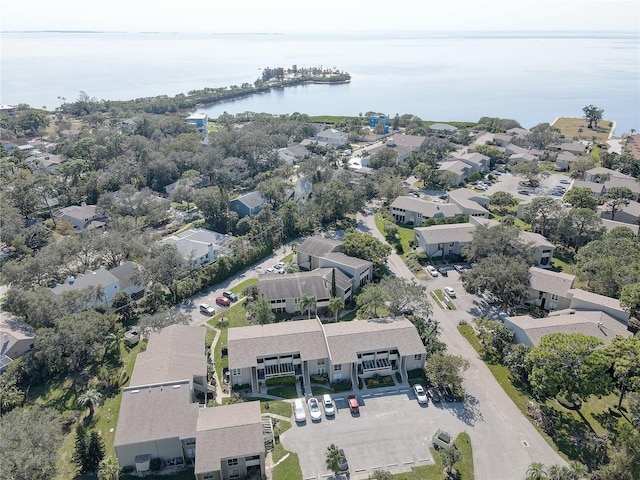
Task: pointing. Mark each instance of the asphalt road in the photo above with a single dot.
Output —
(504, 442)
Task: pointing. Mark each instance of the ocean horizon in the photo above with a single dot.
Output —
(532, 77)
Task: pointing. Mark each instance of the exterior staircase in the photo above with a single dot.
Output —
(267, 433)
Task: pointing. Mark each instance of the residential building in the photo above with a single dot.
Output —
(597, 189)
(459, 171)
(82, 217)
(502, 139)
(91, 278)
(160, 417)
(317, 252)
(470, 202)
(516, 158)
(342, 351)
(529, 331)
(630, 183)
(301, 191)
(248, 205)
(413, 211)
(123, 274)
(285, 291)
(199, 246)
(513, 149)
(611, 224)
(555, 291)
(293, 154)
(231, 439)
(602, 174)
(442, 128)
(576, 148)
(200, 121)
(16, 338)
(443, 240)
(628, 214)
(564, 160)
(332, 137)
(479, 163)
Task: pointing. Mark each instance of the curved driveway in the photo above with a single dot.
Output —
(504, 442)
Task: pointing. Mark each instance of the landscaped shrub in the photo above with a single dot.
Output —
(398, 377)
(320, 378)
(341, 386)
(380, 381)
(242, 386)
(288, 380)
(416, 373)
(155, 464)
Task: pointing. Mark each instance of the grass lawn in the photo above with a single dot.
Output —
(594, 414)
(435, 471)
(104, 420)
(284, 391)
(440, 297)
(276, 407)
(242, 285)
(288, 469)
(236, 316)
(569, 128)
(287, 259)
(317, 390)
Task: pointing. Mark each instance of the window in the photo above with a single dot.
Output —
(190, 441)
(417, 356)
(554, 297)
(321, 361)
(208, 475)
(235, 473)
(540, 295)
(237, 372)
(321, 371)
(337, 368)
(232, 462)
(252, 457)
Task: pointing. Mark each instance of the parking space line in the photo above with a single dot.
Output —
(392, 465)
(365, 396)
(361, 470)
(408, 463)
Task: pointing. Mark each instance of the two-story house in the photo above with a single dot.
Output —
(413, 211)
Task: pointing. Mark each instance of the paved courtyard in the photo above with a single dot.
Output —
(392, 432)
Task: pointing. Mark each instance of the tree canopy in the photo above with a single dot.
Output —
(505, 277)
(365, 246)
(569, 365)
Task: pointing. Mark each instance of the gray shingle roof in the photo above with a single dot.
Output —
(318, 246)
(585, 322)
(346, 339)
(229, 431)
(550, 282)
(460, 232)
(426, 208)
(248, 343)
(293, 285)
(91, 278)
(175, 353)
(155, 413)
(344, 259)
(123, 273)
(251, 200)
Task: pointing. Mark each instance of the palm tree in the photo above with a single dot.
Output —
(335, 305)
(334, 459)
(578, 470)
(90, 398)
(536, 471)
(109, 469)
(307, 302)
(559, 472)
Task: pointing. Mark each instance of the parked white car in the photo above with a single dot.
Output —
(421, 393)
(298, 411)
(329, 406)
(432, 270)
(314, 409)
(450, 291)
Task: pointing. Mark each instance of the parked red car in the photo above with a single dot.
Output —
(223, 301)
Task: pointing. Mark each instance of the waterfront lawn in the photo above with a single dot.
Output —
(569, 128)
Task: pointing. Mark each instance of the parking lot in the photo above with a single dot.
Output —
(391, 432)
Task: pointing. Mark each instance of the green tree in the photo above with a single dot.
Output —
(160, 320)
(568, 365)
(503, 200)
(581, 197)
(497, 240)
(90, 398)
(580, 226)
(543, 135)
(261, 310)
(541, 213)
(335, 305)
(406, 296)
(371, 298)
(334, 458)
(444, 368)
(625, 353)
(307, 302)
(593, 115)
(630, 299)
(80, 454)
(450, 455)
(531, 171)
(365, 246)
(617, 198)
(31, 439)
(514, 360)
(504, 277)
(95, 451)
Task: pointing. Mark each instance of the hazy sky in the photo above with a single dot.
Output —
(323, 15)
